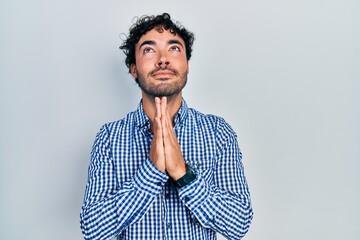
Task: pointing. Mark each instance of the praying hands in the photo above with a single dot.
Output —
(165, 150)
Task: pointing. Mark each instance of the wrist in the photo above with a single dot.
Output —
(179, 173)
(186, 179)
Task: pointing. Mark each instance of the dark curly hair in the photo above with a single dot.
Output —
(159, 22)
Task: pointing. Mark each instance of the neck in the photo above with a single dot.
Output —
(173, 105)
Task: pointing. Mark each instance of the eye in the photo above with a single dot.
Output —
(175, 48)
(148, 50)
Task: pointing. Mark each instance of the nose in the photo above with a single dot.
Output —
(163, 60)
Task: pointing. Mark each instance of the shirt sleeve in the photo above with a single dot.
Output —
(222, 204)
(109, 208)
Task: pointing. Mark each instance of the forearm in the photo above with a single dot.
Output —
(225, 213)
(105, 217)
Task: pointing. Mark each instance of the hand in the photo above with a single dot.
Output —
(174, 161)
(157, 152)
(165, 150)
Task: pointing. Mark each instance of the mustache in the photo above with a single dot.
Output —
(160, 68)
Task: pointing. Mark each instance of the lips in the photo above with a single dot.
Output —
(163, 72)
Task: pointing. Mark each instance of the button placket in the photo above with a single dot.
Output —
(167, 196)
(163, 212)
(168, 208)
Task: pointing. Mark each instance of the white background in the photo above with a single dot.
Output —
(284, 74)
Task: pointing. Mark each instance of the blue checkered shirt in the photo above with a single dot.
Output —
(129, 198)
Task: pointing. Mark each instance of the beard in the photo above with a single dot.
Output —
(165, 88)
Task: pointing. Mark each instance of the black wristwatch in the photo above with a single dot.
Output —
(186, 179)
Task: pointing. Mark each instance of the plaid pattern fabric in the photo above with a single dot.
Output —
(129, 198)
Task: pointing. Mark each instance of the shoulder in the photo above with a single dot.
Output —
(214, 128)
(211, 122)
(114, 127)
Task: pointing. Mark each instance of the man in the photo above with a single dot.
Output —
(165, 171)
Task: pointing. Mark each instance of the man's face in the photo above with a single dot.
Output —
(161, 65)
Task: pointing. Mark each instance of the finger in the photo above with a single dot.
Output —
(163, 112)
(167, 125)
(157, 107)
(163, 107)
(158, 132)
(168, 131)
(158, 138)
(157, 152)
(168, 120)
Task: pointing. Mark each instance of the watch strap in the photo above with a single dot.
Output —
(189, 177)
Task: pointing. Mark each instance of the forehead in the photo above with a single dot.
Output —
(162, 37)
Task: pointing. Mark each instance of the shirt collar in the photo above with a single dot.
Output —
(142, 120)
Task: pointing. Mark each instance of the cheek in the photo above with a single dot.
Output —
(182, 61)
(143, 67)
(185, 66)
(144, 64)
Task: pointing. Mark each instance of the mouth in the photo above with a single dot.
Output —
(163, 73)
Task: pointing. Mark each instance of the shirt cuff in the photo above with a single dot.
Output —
(194, 194)
(197, 197)
(149, 179)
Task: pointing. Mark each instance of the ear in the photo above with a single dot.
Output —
(133, 70)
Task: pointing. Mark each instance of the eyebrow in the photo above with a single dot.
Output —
(175, 42)
(151, 42)
(147, 42)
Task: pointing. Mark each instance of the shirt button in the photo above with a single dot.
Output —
(167, 196)
(168, 225)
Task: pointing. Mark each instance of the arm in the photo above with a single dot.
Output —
(109, 208)
(224, 205)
